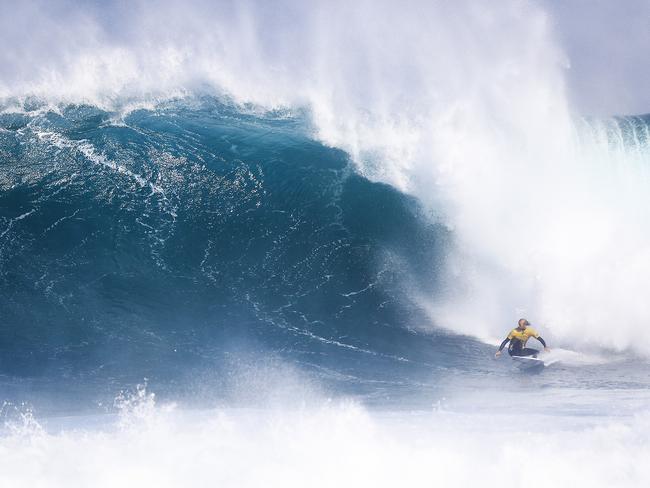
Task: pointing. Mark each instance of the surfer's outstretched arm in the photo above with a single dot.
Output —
(503, 344)
(539, 338)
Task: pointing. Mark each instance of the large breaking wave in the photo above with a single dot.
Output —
(163, 185)
(316, 208)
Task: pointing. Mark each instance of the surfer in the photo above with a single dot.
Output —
(518, 338)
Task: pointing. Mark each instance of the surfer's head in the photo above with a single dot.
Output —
(523, 323)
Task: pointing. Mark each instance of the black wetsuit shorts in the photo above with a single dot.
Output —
(515, 349)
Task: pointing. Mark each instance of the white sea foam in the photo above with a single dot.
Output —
(331, 444)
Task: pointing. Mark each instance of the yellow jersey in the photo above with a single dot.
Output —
(522, 335)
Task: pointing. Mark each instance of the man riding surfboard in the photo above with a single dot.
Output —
(518, 338)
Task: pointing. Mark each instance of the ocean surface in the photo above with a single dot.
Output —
(212, 285)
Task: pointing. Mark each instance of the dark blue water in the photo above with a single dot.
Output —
(171, 242)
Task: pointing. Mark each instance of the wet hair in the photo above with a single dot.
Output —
(521, 320)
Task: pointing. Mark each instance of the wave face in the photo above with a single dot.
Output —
(163, 242)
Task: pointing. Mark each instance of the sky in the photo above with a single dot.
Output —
(607, 43)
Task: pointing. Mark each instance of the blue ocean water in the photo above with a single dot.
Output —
(171, 242)
(180, 244)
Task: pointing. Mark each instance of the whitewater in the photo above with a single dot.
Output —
(245, 244)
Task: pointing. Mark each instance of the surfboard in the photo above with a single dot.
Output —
(528, 362)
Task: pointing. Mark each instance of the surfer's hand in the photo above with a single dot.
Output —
(547, 349)
(497, 354)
